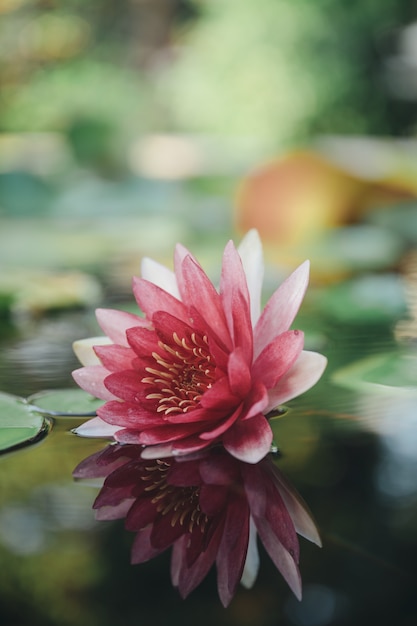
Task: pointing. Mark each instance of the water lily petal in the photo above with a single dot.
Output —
(114, 357)
(187, 578)
(197, 291)
(281, 309)
(305, 373)
(278, 357)
(232, 552)
(160, 275)
(251, 568)
(233, 281)
(125, 384)
(142, 340)
(152, 298)
(91, 379)
(83, 349)
(249, 440)
(223, 426)
(128, 415)
(250, 251)
(115, 323)
(239, 374)
(96, 427)
(256, 402)
(142, 549)
(297, 508)
(108, 513)
(279, 555)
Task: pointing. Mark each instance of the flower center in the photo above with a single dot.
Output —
(182, 503)
(183, 371)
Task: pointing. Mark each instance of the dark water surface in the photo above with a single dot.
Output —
(349, 446)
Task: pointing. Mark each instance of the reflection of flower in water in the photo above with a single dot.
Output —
(208, 507)
(203, 366)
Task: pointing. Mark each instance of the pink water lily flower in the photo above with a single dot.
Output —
(203, 366)
(209, 507)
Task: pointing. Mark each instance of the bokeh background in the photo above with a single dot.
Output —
(129, 125)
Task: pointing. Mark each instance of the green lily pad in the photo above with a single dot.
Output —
(20, 425)
(367, 298)
(392, 372)
(64, 403)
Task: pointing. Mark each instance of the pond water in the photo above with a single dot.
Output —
(349, 446)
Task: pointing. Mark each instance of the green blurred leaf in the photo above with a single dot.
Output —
(65, 402)
(19, 424)
(368, 298)
(355, 248)
(389, 372)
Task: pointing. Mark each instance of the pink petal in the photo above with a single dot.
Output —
(240, 380)
(195, 415)
(213, 499)
(107, 513)
(250, 251)
(219, 470)
(167, 433)
(250, 571)
(179, 255)
(178, 448)
(160, 275)
(115, 323)
(142, 340)
(300, 515)
(184, 474)
(157, 452)
(127, 436)
(266, 502)
(219, 429)
(249, 440)
(142, 549)
(232, 280)
(128, 415)
(115, 357)
(281, 558)
(141, 513)
(152, 298)
(256, 402)
(125, 385)
(188, 578)
(219, 397)
(233, 548)
(197, 291)
(241, 327)
(91, 379)
(89, 468)
(278, 357)
(281, 308)
(96, 427)
(305, 372)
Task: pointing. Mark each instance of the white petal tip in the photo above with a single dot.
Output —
(83, 349)
(96, 428)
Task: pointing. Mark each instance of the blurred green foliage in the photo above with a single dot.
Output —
(277, 69)
(285, 70)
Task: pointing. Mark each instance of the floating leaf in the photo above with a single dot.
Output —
(20, 425)
(65, 403)
(389, 372)
(367, 298)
